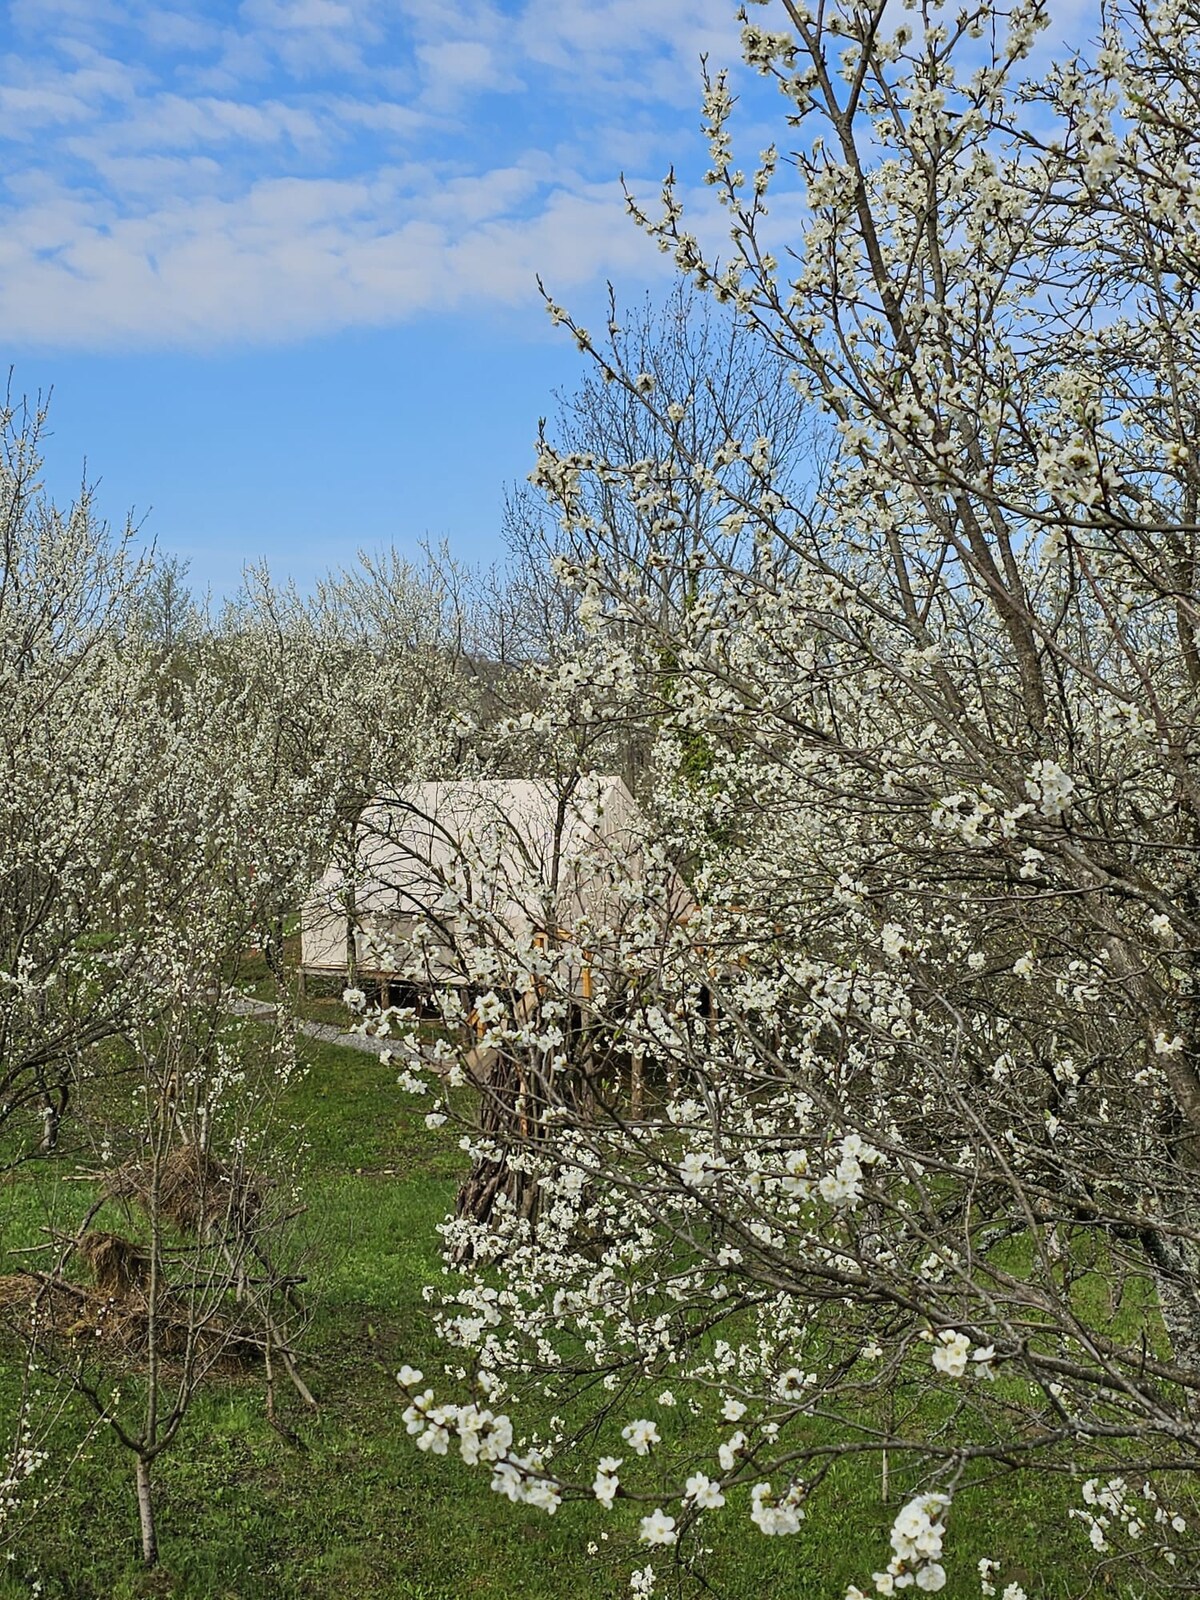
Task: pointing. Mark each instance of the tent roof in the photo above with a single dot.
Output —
(522, 849)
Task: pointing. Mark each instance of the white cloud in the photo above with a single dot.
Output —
(176, 30)
(646, 47)
(85, 19)
(26, 110)
(290, 15)
(381, 116)
(453, 68)
(291, 257)
(173, 121)
(313, 164)
(35, 98)
(143, 178)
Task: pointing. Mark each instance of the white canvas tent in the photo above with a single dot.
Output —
(498, 863)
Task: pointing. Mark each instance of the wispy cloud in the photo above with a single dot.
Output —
(292, 256)
(294, 166)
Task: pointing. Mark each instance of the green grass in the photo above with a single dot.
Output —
(359, 1512)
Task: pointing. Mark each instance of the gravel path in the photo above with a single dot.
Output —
(241, 1006)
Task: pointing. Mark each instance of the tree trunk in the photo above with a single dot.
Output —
(503, 1090)
(146, 1513)
(273, 950)
(56, 1098)
(351, 909)
(1175, 1264)
(514, 1091)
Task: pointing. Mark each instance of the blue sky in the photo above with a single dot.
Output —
(277, 258)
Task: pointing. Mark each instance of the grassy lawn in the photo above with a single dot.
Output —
(358, 1511)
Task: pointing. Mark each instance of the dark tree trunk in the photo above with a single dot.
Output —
(508, 1116)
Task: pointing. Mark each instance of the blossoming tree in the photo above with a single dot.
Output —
(918, 1181)
(163, 797)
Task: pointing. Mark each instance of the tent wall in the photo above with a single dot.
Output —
(421, 856)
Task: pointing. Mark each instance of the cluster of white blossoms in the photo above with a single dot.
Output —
(987, 1587)
(1112, 1506)
(977, 820)
(1051, 787)
(891, 940)
(917, 1536)
(641, 1436)
(1167, 1044)
(777, 1514)
(606, 1482)
(703, 1492)
(657, 1528)
(951, 1351)
(483, 1436)
(26, 1458)
(700, 1170)
(842, 1187)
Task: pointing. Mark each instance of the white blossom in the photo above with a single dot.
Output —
(950, 1353)
(641, 1436)
(657, 1528)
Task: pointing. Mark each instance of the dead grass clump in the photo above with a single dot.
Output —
(196, 1192)
(41, 1309)
(118, 1266)
(17, 1290)
(39, 1306)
